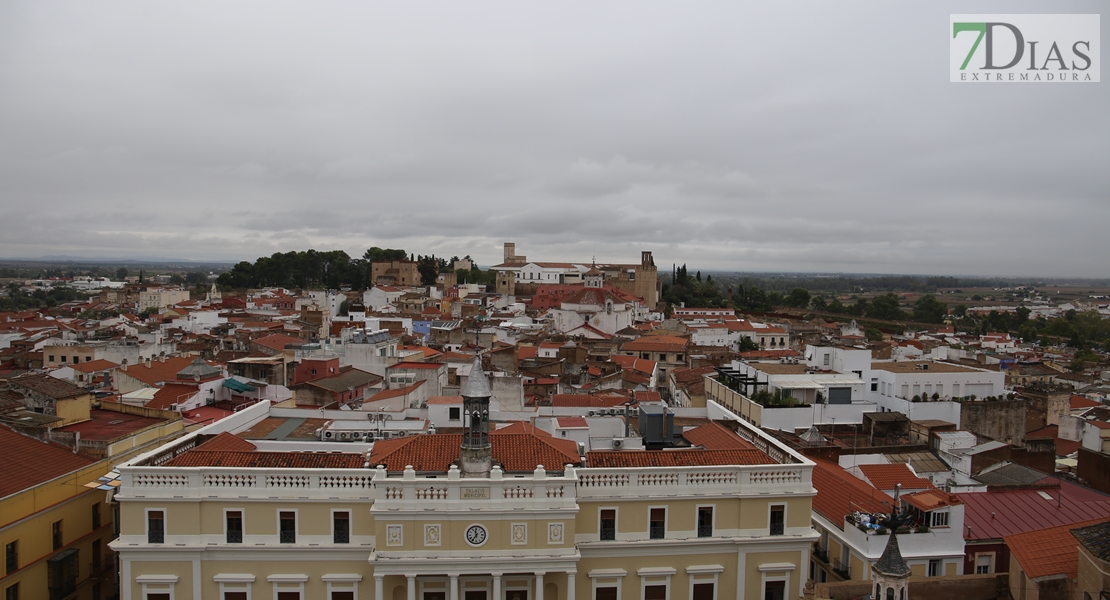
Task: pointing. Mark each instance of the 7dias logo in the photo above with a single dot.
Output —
(1024, 48)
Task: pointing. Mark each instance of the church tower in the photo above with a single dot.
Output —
(891, 573)
(475, 456)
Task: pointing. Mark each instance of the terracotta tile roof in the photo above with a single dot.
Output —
(227, 442)
(886, 477)
(344, 380)
(29, 462)
(572, 423)
(278, 341)
(1083, 402)
(520, 427)
(931, 499)
(158, 371)
(525, 352)
(92, 366)
(387, 394)
(840, 493)
(172, 393)
(104, 425)
(676, 458)
(657, 343)
(647, 396)
(714, 436)
(641, 365)
(437, 452)
(996, 514)
(1047, 552)
(272, 460)
(418, 365)
(58, 389)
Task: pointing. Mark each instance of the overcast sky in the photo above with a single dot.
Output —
(755, 136)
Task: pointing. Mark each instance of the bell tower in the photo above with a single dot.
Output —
(475, 455)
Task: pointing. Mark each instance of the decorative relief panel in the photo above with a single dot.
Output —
(394, 535)
(554, 533)
(519, 534)
(432, 535)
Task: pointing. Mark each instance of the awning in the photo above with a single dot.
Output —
(237, 386)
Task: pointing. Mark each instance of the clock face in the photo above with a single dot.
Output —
(476, 535)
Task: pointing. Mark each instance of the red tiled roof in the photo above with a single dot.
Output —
(675, 458)
(1046, 552)
(42, 383)
(657, 343)
(92, 366)
(158, 371)
(839, 493)
(273, 460)
(572, 423)
(999, 513)
(525, 352)
(104, 425)
(29, 462)
(416, 365)
(437, 452)
(647, 396)
(886, 477)
(278, 341)
(931, 499)
(172, 394)
(520, 427)
(714, 436)
(1083, 402)
(227, 442)
(386, 394)
(636, 364)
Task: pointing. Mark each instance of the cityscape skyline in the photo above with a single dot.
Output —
(737, 138)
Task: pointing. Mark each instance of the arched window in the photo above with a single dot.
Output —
(889, 593)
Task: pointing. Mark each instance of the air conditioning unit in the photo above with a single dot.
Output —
(328, 435)
(618, 444)
(174, 408)
(343, 436)
(356, 435)
(592, 413)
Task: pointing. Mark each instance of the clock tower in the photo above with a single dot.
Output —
(475, 456)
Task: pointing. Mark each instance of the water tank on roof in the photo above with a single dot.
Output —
(656, 425)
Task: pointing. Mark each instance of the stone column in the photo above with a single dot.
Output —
(539, 585)
(411, 581)
(454, 586)
(379, 587)
(496, 586)
(570, 585)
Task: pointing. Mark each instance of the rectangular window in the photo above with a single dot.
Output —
(155, 527)
(608, 524)
(874, 384)
(655, 592)
(235, 596)
(454, 413)
(934, 568)
(11, 557)
(983, 564)
(234, 526)
(337, 595)
(605, 593)
(774, 590)
(287, 529)
(705, 521)
(157, 596)
(940, 519)
(56, 534)
(703, 591)
(657, 523)
(61, 573)
(96, 516)
(96, 557)
(12, 592)
(341, 527)
(288, 596)
(778, 519)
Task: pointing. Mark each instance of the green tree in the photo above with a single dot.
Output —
(887, 307)
(798, 298)
(747, 344)
(121, 274)
(929, 310)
